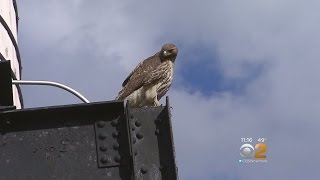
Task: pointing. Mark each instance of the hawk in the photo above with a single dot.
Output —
(151, 79)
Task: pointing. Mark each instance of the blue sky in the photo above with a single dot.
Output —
(244, 69)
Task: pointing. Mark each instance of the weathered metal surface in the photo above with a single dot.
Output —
(167, 154)
(55, 143)
(87, 141)
(152, 143)
(112, 142)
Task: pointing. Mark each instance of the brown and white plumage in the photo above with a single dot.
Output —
(151, 79)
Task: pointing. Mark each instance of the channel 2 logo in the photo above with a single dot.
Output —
(250, 153)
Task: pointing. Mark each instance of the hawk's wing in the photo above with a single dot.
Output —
(127, 79)
(136, 78)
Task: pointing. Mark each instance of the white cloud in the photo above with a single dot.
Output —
(101, 42)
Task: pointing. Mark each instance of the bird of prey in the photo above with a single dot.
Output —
(151, 79)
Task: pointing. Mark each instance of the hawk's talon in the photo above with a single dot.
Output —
(156, 103)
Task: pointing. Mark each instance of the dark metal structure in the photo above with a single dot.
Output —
(87, 141)
(5, 84)
(102, 140)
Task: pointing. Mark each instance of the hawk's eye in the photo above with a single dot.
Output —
(168, 52)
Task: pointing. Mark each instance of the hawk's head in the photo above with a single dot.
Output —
(168, 52)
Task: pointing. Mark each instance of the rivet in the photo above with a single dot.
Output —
(115, 134)
(134, 140)
(116, 146)
(117, 158)
(138, 123)
(157, 132)
(101, 124)
(104, 159)
(143, 170)
(139, 136)
(114, 122)
(102, 136)
(103, 147)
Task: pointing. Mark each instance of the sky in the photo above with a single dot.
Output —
(244, 69)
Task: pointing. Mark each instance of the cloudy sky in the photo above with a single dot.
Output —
(244, 69)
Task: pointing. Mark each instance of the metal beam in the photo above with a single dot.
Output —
(100, 140)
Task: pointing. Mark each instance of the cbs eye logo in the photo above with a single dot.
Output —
(248, 151)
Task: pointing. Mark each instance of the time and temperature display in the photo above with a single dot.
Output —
(253, 150)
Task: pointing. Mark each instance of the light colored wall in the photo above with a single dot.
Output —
(6, 46)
